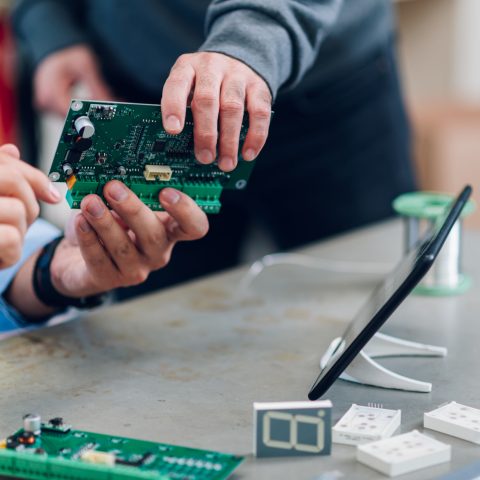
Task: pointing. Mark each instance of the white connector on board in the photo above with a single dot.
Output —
(366, 424)
(456, 420)
(404, 453)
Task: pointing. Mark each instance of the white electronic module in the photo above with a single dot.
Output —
(456, 420)
(404, 453)
(366, 424)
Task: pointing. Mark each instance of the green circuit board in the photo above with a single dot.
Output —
(59, 452)
(103, 141)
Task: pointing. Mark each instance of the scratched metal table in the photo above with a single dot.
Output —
(183, 366)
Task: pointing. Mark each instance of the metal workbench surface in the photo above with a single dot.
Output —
(183, 366)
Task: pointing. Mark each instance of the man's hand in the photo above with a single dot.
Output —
(20, 187)
(60, 72)
(120, 248)
(222, 88)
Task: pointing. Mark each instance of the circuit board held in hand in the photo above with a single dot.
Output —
(54, 450)
(104, 141)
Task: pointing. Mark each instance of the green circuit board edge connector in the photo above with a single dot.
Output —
(56, 451)
(103, 141)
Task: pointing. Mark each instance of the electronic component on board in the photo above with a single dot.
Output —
(84, 127)
(404, 453)
(456, 420)
(32, 423)
(362, 424)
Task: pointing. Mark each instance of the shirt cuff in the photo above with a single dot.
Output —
(39, 234)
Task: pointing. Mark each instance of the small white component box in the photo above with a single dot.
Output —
(366, 424)
(404, 453)
(456, 420)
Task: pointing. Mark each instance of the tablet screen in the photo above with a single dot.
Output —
(387, 296)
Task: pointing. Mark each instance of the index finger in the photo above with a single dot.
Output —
(175, 97)
(41, 185)
(188, 221)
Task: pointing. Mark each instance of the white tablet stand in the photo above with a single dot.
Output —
(363, 369)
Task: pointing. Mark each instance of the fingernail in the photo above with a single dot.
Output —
(170, 196)
(173, 123)
(205, 156)
(54, 193)
(249, 155)
(118, 191)
(84, 225)
(227, 163)
(95, 208)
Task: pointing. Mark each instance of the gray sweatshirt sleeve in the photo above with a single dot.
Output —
(279, 39)
(31, 17)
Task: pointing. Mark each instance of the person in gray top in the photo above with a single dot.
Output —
(338, 149)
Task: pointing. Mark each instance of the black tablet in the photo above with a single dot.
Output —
(388, 296)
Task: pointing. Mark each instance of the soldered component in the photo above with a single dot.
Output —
(67, 169)
(32, 423)
(99, 458)
(122, 170)
(101, 157)
(160, 172)
(56, 421)
(84, 127)
(26, 438)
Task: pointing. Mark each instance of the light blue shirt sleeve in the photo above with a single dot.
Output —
(39, 234)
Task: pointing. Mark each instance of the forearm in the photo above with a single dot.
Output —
(45, 26)
(21, 295)
(279, 39)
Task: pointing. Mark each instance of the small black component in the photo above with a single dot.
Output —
(101, 157)
(159, 146)
(12, 442)
(68, 137)
(82, 144)
(56, 422)
(136, 463)
(72, 157)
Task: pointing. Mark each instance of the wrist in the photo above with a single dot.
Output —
(49, 287)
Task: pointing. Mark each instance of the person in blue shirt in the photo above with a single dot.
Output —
(43, 272)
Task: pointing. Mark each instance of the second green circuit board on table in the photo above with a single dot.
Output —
(104, 141)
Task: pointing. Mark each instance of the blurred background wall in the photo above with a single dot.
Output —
(438, 51)
(439, 54)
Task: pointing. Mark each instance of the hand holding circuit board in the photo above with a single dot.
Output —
(127, 142)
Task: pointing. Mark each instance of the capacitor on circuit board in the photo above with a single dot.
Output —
(84, 127)
(32, 423)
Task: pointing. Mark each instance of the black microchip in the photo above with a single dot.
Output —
(82, 144)
(56, 422)
(73, 156)
(159, 146)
